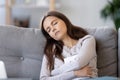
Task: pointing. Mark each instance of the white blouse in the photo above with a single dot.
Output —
(80, 55)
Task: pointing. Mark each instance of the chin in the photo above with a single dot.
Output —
(57, 39)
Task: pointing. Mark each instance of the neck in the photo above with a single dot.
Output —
(69, 42)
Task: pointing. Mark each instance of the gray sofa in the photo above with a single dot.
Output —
(21, 49)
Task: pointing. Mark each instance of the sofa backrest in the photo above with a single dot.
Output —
(21, 49)
(107, 56)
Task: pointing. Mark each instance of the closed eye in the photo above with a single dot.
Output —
(48, 29)
(55, 23)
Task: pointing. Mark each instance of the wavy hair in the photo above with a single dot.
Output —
(54, 48)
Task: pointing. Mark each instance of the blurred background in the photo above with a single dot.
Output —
(83, 13)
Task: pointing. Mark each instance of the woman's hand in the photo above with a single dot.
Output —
(84, 72)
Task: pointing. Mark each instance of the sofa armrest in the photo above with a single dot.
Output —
(119, 52)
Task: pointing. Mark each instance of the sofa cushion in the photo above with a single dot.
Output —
(21, 49)
(106, 42)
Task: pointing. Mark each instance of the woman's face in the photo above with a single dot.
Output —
(55, 27)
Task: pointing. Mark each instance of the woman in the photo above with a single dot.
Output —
(70, 53)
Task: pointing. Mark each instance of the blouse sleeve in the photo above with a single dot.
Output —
(46, 75)
(86, 53)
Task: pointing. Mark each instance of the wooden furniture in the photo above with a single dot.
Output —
(10, 3)
(52, 5)
(8, 12)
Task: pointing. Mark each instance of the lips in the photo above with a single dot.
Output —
(56, 33)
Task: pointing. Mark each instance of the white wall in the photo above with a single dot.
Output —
(33, 13)
(2, 12)
(85, 13)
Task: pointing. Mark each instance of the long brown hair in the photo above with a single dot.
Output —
(73, 31)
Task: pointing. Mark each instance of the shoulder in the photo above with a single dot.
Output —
(87, 38)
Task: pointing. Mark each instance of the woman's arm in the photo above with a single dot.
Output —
(46, 75)
(86, 53)
(84, 72)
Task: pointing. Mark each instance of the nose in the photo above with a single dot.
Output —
(53, 29)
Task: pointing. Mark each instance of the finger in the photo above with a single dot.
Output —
(84, 67)
(88, 75)
(90, 67)
(89, 72)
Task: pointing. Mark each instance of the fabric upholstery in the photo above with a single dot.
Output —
(119, 52)
(106, 42)
(21, 49)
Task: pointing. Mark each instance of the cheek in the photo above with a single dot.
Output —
(63, 27)
(64, 30)
(52, 35)
(55, 37)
